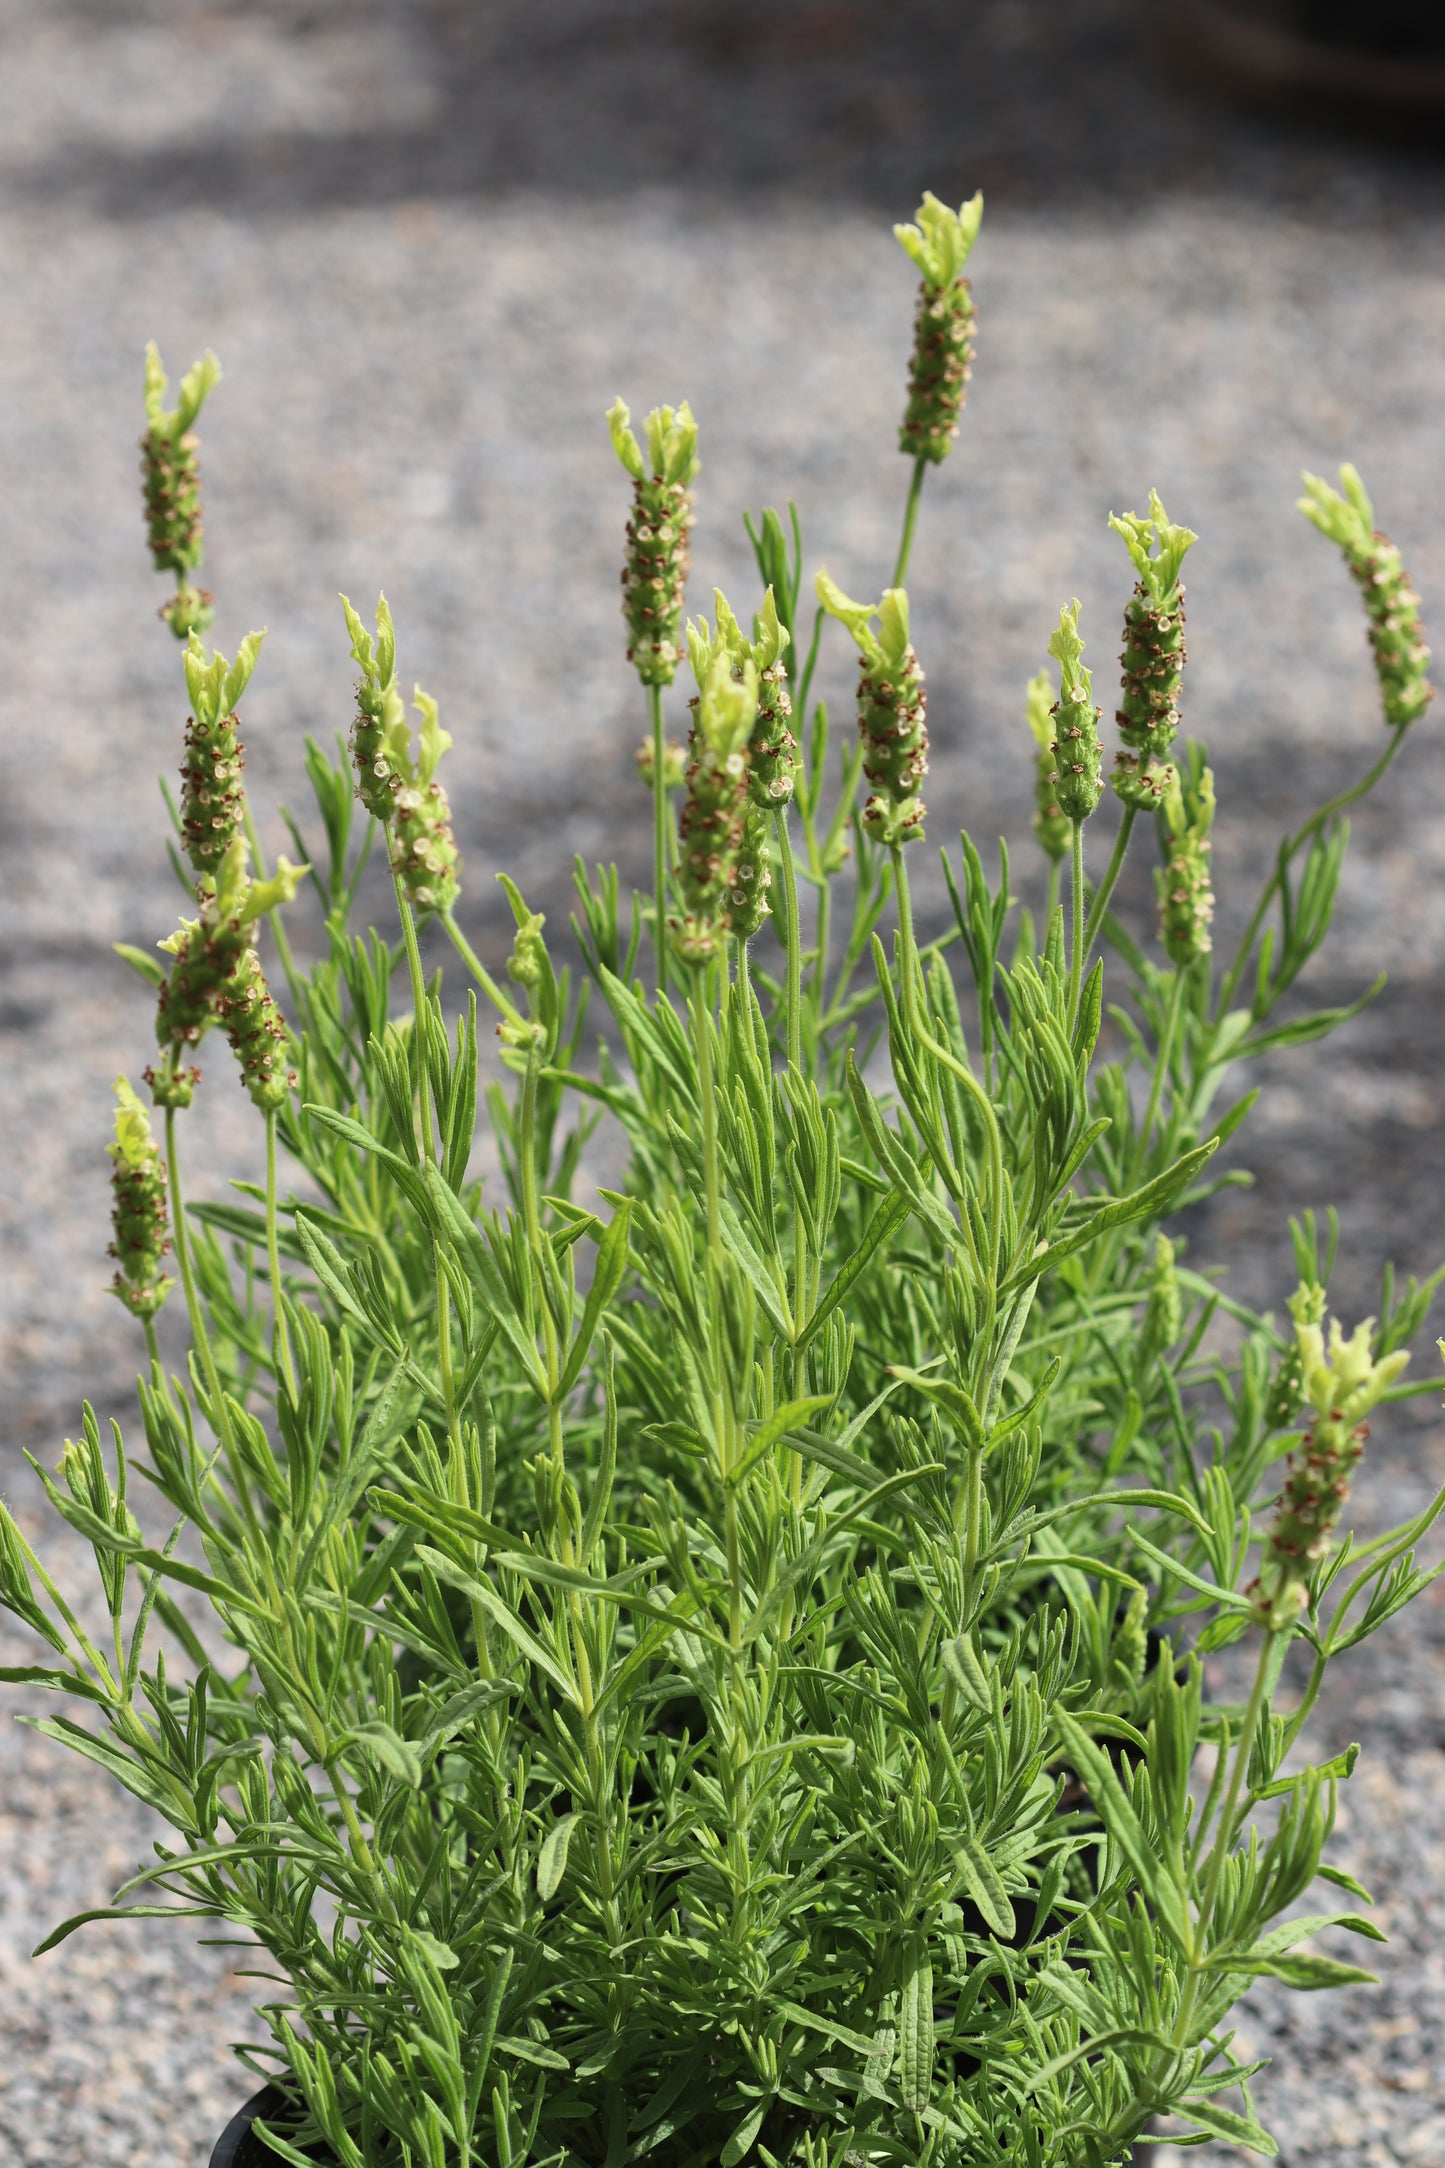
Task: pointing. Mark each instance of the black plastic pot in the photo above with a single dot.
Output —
(238, 2145)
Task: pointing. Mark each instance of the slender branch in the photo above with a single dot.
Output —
(659, 836)
(1099, 901)
(910, 521)
(1076, 896)
(795, 944)
(273, 1259)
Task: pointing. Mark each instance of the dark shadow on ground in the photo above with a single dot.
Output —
(1061, 102)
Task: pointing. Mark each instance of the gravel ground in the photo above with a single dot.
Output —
(430, 242)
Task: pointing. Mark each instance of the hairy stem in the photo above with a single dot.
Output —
(795, 944)
(1099, 901)
(910, 521)
(1076, 897)
(659, 836)
(273, 1259)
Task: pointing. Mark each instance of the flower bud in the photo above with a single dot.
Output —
(1075, 745)
(396, 787)
(1186, 899)
(1286, 1389)
(654, 573)
(772, 749)
(1341, 1383)
(172, 485)
(1153, 657)
(748, 905)
(892, 705)
(257, 1032)
(217, 976)
(1049, 824)
(714, 814)
(213, 797)
(139, 1217)
(943, 328)
(1391, 603)
(423, 848)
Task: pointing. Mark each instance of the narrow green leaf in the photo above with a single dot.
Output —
(982, 1881)
(915, 2027)
(552, 1859)
(397, 1756)
(1149, 1202)
(967, 1673)
(740, 2143)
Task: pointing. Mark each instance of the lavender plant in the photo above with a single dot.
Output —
(712, 1670)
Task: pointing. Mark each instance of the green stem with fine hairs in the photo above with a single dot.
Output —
(659, 835)
(910, 521)
(273, 1259)
(1076, 898)
(422, 1028)
(795, 943)
(1099, 901)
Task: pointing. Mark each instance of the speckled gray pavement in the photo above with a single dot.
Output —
(430, 242)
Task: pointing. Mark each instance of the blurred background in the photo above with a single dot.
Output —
(430, 241)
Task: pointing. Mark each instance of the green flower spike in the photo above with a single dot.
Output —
(1075, 744)
(1341, 1383)
(772, 748)
(1391, 603)
(713, 826)
(655, 572)
(939, 245)
(396, 787)
(138, 1210)
(1186, 899)
(172, 486)
(213, 797)
(1153, 657)
(1050, 825)
(217, 977)
(892, 704)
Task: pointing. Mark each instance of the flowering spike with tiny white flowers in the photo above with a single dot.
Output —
(398, 787)
(1076, 724)
(1153, 657)
(1186, 898)
(772, 748)
(892, 706)
(217, 977)
(172, 483)
(1391, 603)
(1341, 1381)
(139, 1217)
(939, 244)
(714, 814)
(654, 574)
(213, 797)
(1049, 824)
